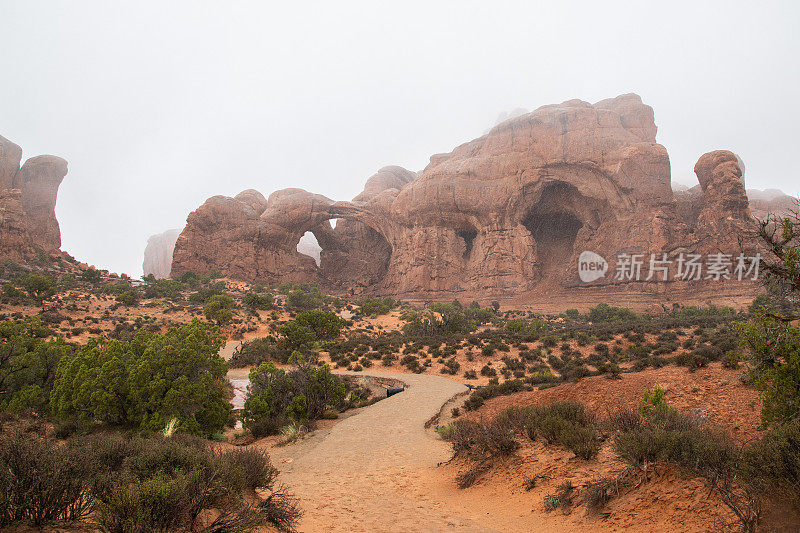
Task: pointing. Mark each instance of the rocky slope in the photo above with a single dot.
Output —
(28, 225)
(505, 214)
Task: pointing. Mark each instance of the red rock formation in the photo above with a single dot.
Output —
(39, 179)
(504, 214)
(28, 195)
(158, 254)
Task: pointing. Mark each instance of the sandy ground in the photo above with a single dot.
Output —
(369, 472)
(378, 470)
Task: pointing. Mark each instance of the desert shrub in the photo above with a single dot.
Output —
(668, 435)
(304, 297)
(624, 419)
(411, 362)
(694, 447)
(129, 297)
(773, 463)
(441, 319)
(667, 336)
(38, 287)
(324, 324)
(531, 329)
(28, 363)
(561, 498)
(653, 400)
(275, 396)
(492, 390)
(257, 351)
(206, 292)
(12, 294)
(488, 371)
(480, 442)
(166, 484)
(774, 347)
(40, 481)
(376, 306)
(575, 370)
(542, 376)
(708, 352)
(607, 313)
(146, 381)
(90, 275)
(451, 367)
(468, 477)
(555, 362)
(116, 288)
(219, 308)
(601, 491)
(665, 348)
(567, 423)
(255, 301)
(162, 288)
(690, 360)
(711, 310)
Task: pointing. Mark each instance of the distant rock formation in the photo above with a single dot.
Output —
(504, 214)
(771, 202)
(28, 225)
(761, 203)
(158, 253)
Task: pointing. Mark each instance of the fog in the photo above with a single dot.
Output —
(159, 105)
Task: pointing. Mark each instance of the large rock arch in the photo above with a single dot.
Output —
(503, 214)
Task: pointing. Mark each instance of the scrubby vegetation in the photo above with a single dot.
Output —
(146, 381)
(276, 397)
(743, 478)
(138, 484)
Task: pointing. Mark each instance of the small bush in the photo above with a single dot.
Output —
(481, 394)
(478, 441)
(600, 492)
(567, 423)
(561, 498)
(40, 482)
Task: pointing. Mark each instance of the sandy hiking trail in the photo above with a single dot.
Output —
(367, 473)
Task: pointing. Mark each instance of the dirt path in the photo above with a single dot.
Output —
(367, 473)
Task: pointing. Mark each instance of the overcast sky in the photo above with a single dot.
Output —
(159, 105)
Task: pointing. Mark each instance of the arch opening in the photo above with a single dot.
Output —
(355, 256)
(308, 245)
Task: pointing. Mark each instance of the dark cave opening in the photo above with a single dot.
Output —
(554, 233)
(469, 239)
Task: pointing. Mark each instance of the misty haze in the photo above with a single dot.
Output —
(427, 267)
